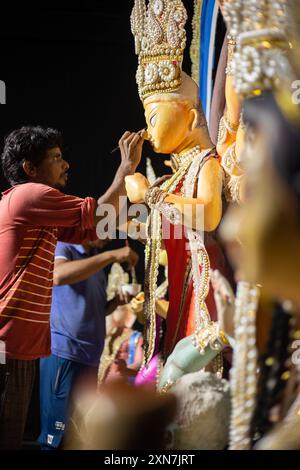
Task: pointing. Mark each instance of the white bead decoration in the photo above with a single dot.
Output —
(167, 71)
(151, 73)
(158, 7)
(159, 32)
(260, 28)
(243, 372)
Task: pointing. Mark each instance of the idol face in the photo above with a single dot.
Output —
(168, 125)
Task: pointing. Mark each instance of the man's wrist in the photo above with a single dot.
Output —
(108, 257)
(116, 256)
(127, 169)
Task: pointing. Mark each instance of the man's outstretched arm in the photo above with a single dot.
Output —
(130, 144)
(70, 272)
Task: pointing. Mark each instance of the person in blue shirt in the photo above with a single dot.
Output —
(77, 321)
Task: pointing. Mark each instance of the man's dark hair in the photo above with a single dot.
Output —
(29, 143)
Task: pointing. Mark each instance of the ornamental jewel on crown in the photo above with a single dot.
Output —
(160, 40)
(260, 28)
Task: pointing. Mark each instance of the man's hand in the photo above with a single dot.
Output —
(122, 298)
(131, 144)
(126, 254)
(136, 187)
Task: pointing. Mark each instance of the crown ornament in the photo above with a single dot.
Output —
(260, 28)
(160, 40)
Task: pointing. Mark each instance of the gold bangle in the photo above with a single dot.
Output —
(223, 338)
(153, 196)
(169, 384)
(231, 51)
(225, 127)
(229, 160)
(222, 132)
(232, 128)
(210, 335)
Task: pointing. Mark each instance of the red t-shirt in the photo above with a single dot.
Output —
(32, 218)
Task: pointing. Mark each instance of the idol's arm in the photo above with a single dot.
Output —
(209, 199)
(234, 137)
(71, 272)
(184, 359)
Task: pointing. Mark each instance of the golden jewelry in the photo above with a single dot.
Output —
(167, 386)
(188, 170)
(196, 37)
(261, 30)
(186, 157)
(108, 357)
(210, 335)
(233, 188)
(222, 132)
(160, 40)
(230, 55)
(229, 160)
(225, 127)
(154, 197)
(243, 380)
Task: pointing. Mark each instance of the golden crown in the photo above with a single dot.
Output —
(160, 40)
(260, 29)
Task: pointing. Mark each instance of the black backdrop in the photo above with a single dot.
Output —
(71, 65)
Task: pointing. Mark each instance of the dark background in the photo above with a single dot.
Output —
(73, 68)
(71, 65)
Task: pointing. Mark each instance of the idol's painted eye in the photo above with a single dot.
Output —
(153, 120)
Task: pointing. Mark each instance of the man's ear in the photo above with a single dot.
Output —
(29, 169)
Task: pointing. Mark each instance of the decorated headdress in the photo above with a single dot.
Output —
(160, 40)
(260, 28)
(287, 96)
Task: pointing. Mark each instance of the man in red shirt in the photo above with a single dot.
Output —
(34, 214)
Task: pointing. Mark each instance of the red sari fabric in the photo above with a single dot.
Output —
(178, 260)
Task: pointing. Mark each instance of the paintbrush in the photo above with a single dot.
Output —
(139, 132)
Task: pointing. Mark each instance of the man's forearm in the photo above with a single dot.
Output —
(116, 189)
(71, 272)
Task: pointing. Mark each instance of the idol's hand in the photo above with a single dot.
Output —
(137, 303)
(136, 187)
(137, 307)
(131, 144)
(184, 359)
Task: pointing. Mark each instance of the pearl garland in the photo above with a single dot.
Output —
(243, 372)
(189, 165)
(187, 157)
